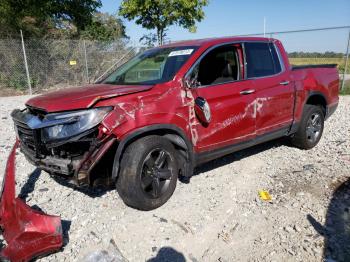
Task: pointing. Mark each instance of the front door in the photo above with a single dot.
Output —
(231, 100)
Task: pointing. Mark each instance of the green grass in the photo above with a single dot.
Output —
(319, 60)
(346, 89)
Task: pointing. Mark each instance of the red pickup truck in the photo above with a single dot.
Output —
(172, 108)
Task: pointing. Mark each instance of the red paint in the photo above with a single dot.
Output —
(234, 119)
(28, 233)
(81, 97)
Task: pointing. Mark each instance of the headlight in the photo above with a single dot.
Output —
(73, 123)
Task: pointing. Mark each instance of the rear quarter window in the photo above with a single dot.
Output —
(262, 60)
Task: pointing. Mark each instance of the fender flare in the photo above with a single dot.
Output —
(148, 129)
(295, 125)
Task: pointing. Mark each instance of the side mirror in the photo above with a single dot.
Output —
(202, 110)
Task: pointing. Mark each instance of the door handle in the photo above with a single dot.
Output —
(247, 92)
(284, 83)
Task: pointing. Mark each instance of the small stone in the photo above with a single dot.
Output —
(316, 250)
(308, 167)
(288, 229)
(297, 228)
(291, 252)
(295, 204)
(163, 220)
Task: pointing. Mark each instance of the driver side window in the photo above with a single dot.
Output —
(220, 65)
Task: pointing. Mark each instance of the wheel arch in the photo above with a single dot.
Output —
(175, 135)
(317, 99)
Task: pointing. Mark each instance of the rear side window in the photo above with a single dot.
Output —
(262, 59)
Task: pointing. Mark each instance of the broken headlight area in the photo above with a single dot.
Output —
(73, 123)
(62, 143)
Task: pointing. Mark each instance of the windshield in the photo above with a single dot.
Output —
(153, 66)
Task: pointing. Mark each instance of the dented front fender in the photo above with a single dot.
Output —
(28, 233)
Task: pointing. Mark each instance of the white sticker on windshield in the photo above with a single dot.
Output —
(181, 52)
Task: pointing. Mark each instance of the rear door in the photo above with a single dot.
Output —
(274, 89)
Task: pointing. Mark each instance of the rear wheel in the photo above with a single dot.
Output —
(148, 173)
(311, 128)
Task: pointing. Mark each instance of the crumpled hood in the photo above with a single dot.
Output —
(82, 97)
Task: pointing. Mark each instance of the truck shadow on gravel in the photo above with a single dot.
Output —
(99, 191)
(28, 188)
(336, 230)
(92, 192)
(228, 159)
(29, 185)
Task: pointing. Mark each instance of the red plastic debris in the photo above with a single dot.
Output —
(28, 233)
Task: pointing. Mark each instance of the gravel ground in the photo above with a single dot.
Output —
(218, 216)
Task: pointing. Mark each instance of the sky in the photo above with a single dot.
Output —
(228, 18)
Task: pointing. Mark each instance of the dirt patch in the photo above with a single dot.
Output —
(11, 92)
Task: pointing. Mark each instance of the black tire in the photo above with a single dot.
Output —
(308, 136)
(144, 183)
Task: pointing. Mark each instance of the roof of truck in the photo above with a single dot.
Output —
(215, 41)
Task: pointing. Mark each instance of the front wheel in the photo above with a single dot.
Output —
(148, 173)
(311, 128)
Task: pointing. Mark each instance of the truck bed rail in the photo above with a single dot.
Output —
(314, 66)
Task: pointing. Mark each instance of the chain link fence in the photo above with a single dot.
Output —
(54, 64)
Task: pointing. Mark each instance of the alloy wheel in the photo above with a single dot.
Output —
(156, 173)
(313, 127)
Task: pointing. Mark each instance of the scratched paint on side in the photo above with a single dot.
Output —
(188, 101)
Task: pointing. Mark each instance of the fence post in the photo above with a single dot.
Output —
(86, 63)
(26, 64)
(346, 63)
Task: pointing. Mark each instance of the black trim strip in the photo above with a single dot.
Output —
(314, 66)
(330, 110)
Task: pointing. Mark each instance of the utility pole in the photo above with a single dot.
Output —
(264, 26)
(26, 64)
(86, 64)
(346, 62)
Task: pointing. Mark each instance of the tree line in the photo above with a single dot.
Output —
(81, 19)
(58, 19)
(327, 54)
(45, 23)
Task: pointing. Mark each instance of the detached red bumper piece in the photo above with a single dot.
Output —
(28, 233)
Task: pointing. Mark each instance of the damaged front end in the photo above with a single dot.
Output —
(27, 232)
(65, 143)
(70, 144)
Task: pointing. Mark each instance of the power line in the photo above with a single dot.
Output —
(302, 30)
